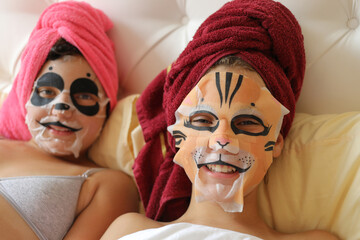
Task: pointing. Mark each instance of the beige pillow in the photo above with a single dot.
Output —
(315, 183)
(121, 139)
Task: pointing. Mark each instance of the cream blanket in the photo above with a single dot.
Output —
(188, 231)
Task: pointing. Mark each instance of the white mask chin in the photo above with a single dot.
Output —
(220, 193)
(55, 145)
(223, 194)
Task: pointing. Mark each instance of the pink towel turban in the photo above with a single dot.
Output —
(81, 25)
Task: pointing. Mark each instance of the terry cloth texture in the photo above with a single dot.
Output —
(81, 25)
(262, 32)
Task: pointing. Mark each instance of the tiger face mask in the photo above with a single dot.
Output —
(225, 132)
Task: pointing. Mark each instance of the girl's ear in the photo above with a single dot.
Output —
(278, 146)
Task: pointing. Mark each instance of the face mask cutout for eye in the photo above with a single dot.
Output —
(48, 86)
(225, 131)
(84, 94)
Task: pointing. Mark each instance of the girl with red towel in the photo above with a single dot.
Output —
(221, 112)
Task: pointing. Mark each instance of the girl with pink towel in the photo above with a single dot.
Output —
(65, 90)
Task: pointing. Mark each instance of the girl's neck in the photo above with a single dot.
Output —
(212, 214)
(81, 160)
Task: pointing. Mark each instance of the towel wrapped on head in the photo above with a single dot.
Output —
(79, 24)
(262, 32)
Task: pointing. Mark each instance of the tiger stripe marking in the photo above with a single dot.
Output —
(228, 80)
(269, 146)
(179, 137)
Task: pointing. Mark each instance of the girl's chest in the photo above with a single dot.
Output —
(22, 159)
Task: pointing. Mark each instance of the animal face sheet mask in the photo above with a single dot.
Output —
(225, 132)
(66, 109)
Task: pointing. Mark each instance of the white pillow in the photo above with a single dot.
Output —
(315, 183)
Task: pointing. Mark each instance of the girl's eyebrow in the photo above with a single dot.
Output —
(188, 111)
(248, 111)
(204, 107)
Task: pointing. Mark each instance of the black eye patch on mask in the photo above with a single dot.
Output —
(48, 79)
(84, 85)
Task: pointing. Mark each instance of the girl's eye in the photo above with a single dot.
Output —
(86, 99)
(203, 120)
(84, 96)
(47, 92)
(248, 124)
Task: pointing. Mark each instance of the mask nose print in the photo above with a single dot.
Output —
(61, 106)
(220, 136)
(220, 140)
(223, 142)
(61, 109)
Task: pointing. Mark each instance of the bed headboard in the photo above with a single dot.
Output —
(150, 34)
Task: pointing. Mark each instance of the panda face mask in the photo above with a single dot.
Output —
(67, 107)
(226, 131)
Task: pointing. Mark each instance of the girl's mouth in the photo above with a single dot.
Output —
(58, 126)
(223, 167)
(220, 168)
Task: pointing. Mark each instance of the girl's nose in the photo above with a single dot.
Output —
(222, 138)
(62, 106)
(222, 141)
(61, 110)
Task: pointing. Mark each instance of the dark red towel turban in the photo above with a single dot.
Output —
(262, 32)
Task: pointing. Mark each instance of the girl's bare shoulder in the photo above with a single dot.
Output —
(12, 149)
(129, 223)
